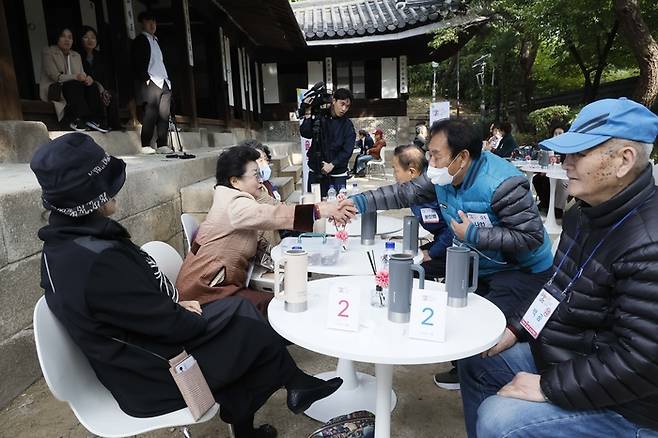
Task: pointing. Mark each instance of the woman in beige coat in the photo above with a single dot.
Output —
(78, 100)
(216, 266)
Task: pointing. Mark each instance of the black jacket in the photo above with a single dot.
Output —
(600, 347)
(98, 69)
(338, 137)
(506, 146)
(95, 304)
(102, 288)
(141, 56)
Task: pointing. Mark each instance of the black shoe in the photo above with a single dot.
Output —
(264, 431)
(300, 399)
(447, 380)
(97, 127)
(78, 125)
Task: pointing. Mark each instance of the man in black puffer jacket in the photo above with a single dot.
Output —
(592, 369)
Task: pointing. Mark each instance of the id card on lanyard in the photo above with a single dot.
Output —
(545, 304)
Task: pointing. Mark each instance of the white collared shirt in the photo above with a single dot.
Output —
(157, 70)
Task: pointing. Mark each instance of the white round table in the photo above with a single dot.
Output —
(469, 331)
(553, 172)
(354, 261)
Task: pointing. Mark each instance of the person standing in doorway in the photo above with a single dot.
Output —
(152, 85)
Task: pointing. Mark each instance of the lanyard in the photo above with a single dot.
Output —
(579, 273)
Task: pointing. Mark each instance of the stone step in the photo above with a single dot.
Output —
(284, 184)
(294, 171)
(280, 162)
(294, 197)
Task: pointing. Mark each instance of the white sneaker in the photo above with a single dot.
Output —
(165, 150)
(148, 150)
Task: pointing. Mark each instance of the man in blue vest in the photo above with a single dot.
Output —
(490, 208)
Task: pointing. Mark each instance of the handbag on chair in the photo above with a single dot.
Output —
(55, 92)
(188, 378)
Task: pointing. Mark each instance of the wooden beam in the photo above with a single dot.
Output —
(10, 102)
(186, 90)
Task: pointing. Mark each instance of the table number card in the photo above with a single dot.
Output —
(343, 307)
(428, 315)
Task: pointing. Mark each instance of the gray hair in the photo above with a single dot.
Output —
(643, 151)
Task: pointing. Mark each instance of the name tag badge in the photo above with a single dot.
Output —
(428, 315)
(480, 220)
(430, 216)
(539, 313)
(343, 308)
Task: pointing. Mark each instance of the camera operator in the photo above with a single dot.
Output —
(328, 158)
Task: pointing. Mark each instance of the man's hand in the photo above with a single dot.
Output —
(341, 212)
(524, 386)
(506, 341)
(192, 306)
(426, 256)
(81, 77)
(89, 80)
(460, 228)
(327, 168)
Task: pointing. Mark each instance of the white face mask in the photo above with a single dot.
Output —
(265, 172)
(440, 175)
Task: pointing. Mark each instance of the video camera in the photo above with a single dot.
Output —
(320, 101)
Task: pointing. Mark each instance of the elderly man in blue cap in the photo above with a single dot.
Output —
(581, 358)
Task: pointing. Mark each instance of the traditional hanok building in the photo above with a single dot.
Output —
(366, 46)
(238, 63)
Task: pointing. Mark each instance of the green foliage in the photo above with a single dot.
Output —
(544, 119)
(555, 25)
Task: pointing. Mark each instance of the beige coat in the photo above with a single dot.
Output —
(53, 69)
(216, 267)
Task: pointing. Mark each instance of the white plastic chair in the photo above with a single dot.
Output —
(70, 378)
(166, 257)
(190, 228)
(377, 163)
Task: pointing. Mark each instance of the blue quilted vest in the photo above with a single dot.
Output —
(474, 196)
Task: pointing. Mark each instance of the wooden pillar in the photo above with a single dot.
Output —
(10, 101)
(185, 90)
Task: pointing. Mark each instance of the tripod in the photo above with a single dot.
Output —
(183, 155)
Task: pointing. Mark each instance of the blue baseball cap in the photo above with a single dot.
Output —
(604, 119)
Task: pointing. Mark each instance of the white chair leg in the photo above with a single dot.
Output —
(186, 432)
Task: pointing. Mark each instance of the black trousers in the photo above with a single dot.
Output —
(82, 102)
(325, 181)
(156, 113)
(243, 359)
(510, 289)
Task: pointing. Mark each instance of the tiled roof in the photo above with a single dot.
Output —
(329, 19)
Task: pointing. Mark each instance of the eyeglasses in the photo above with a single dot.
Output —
(256, 174)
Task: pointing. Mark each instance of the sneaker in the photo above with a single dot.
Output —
(97, 127)
(165, 150)
(447, 380)
(148, 150)
(78, 125)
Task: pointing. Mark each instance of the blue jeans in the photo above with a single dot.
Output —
(488, 415)
(361, 161)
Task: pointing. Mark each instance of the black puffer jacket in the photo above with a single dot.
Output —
(600, 347)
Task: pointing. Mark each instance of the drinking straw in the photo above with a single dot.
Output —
(372, 263)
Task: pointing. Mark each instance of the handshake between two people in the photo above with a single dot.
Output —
(341, 212)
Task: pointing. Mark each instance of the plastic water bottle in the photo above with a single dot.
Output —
(331, 194)
(389, 250)
(355, 189)
(343, 191)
